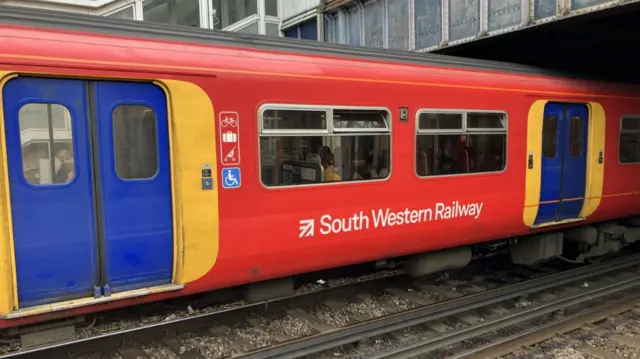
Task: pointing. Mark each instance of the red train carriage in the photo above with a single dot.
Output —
(142, 163)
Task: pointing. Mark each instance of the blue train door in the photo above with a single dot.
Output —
(135, 176)
(90, 189)
(52, 197)
(564, 161)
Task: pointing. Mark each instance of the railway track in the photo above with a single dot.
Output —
(391, 317)
(449, 328)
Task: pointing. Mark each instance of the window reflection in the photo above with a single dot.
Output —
(354, 27)
(550, 137)
(176, 12)
(46, 144)
(126, 13)
(228, 12)
(135, 142)
(357, 148)
(374, 24)
(629, 151)
(480, 147)
(271, 7)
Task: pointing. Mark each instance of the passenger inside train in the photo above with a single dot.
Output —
(458, 143)
(354, 148)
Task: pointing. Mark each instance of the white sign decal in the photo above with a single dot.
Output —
(306, 228)
(381, 218)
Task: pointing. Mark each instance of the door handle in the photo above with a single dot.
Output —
(530, 161)
(600, 157)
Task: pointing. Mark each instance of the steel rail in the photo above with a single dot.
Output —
(460, 335)
(539, 334)
(380, 326)
(159, 330)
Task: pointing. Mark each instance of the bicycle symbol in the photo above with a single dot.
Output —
(231, 177)
(229, 122)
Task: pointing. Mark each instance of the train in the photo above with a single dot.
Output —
(141, 162)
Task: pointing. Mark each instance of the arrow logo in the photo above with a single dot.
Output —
(306, 228)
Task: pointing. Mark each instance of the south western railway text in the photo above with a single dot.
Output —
(380, 218)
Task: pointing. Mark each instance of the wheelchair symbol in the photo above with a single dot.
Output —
(231, 177)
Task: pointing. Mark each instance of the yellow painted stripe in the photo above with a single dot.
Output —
(533, 176)
(178, 239)
(196, 216)
(213, 71)
(8, 277)
(595, 171)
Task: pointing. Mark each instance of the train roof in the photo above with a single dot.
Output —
(41, 18)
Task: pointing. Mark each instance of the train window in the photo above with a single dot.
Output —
(629, 151)
(135, 142)
(575, 136)
(550, 137)
(356, 120)
(299, 146)
(46, 159)
(440, 121)
(461, 142)
(485, 121)
(294, 120)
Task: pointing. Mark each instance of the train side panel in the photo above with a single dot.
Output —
(621, 195)
(231, 236)
(251, 255)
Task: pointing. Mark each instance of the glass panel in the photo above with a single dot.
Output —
(45, 129)
(428, 18)
(575, 137)
(341, 28)
(176, 12)
(250, 29)
(440, 121)
(216, 14)
(272, 29)
(399, 24)
(550, 137)
(544, 8)
(126, 13)
(292, 33)
(630, 123)
(236, 10)
(373, 24)
(309, 30)
(581, 4)
(135, 142)
(485, 120)
(271, 7)
(329, 29)
(629, 148)
(354, 27)
(156, 11)
(185, 12)
(359, 119)
(299, 160)
(294, 120)
(36, 116)
(456, 154)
